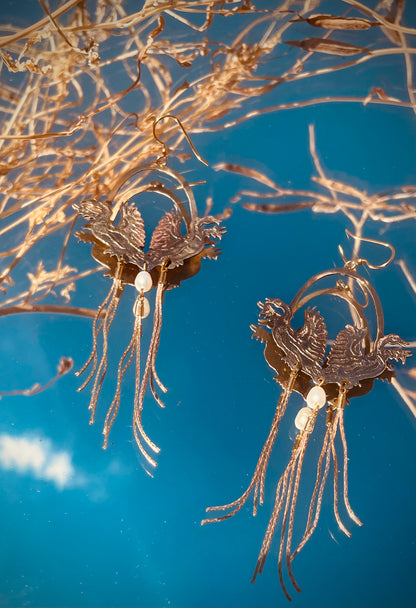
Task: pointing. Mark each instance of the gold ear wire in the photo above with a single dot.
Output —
(163, 158)
(359, 261)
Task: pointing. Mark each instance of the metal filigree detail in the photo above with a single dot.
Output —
(126, 239)
(168, 242)
(346, 361)
(304, 347)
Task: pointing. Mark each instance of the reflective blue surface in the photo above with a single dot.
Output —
(87, 527)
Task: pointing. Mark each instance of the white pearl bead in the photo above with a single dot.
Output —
(316, 398)
(143, 281)
(141, 307)
(302, 418)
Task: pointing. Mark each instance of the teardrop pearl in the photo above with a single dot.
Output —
(141, 307)
(143, 281)
(316, 398)
(302, 418)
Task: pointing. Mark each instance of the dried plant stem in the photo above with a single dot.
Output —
(410, 279)
(388, 24)
(64, 366)
(48, 309)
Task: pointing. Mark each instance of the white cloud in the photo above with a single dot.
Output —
(59, 470)
(36, 456)
(22, 453)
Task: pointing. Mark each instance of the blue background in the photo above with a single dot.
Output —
(117, 537)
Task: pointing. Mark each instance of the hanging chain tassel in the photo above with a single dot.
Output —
(102, 323)
(123, 365)
(152, 375)
(348, 507)
(149, 374)
(288, 488)
(259, 475)
(109, 305)
(335, 420)
(142, 309)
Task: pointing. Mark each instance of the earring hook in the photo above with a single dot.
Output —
(163, 158)
(352, 264)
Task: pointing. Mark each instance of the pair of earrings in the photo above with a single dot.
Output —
(324, 372)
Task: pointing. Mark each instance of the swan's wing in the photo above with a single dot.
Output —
(131, 225)
(313, 335)
(346, 350)
(167, 234)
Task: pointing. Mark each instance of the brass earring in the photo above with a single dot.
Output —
(173, 256)
(302, 364)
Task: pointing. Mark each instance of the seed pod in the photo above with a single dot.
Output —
(330, 47)
(334, 22)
